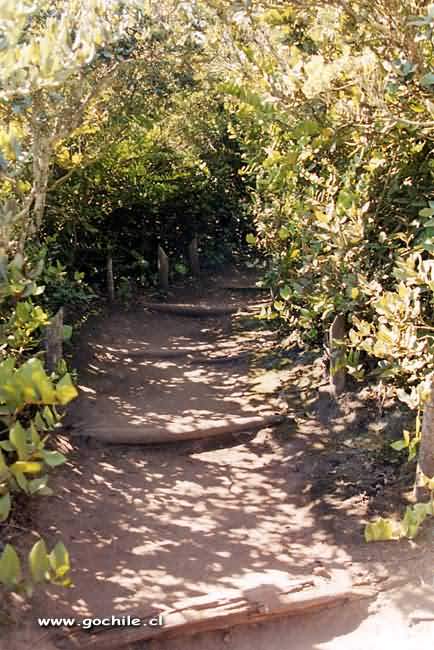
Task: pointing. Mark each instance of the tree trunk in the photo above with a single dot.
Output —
(32, 213)
(54, 341)
(42, 149)
(425, 467)
(337, 334)
(110, 280)
(163, 269)
(41, 167)
(193, 255)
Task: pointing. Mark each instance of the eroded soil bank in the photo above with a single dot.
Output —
(149, 525)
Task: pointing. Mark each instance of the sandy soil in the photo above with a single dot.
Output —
(147, 526)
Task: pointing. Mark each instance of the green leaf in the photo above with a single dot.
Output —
(427, 79)
(412, 450)
(5, 506)
(10, 567)
(40, 424)
(3, 465)
(39, 563)
(18, 437)
(23, 310)
(414, 518)
(48, 417)
(6, 445)
(67, 332)
(251, 239)
(285, 292)
(381, 530)
(26, 467)
(426, 212)
(179, 268)
(20, 479)
(44, 386)
(53, 458)
(283, 233)
(59, 561)
(35, 437)
(65, 390)
(399, 445)
(39, 486)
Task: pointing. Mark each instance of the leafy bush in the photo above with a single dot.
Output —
(29, 403)
(28, 400)
(41, 567)
(63, 290)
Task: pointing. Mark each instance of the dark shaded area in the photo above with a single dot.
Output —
(157, 197)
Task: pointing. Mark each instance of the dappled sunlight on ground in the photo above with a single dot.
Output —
(119, 390)
(150, 525)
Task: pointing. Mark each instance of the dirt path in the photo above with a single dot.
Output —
(147, 526)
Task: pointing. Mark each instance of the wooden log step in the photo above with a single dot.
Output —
(178, 432)
(263, 597)
(192, 311)
(162, 355)
(220, 360)
(246, 288)
(156, 354)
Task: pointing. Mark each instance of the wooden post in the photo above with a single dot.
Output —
(163, 269)
(54, 341)
(337, 334)
(193, 255)
(425, 466)
(110, 280)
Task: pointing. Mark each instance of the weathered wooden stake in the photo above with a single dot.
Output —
(110, 280)
(337, 334)
(425, 466)
(54, 341)
(163, 269)
(193, 255)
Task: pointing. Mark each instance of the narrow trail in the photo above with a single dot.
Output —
(149, 525)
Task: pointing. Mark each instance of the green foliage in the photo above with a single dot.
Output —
(409, 441)
(384, 530)
(28, 399)
(163, 183)
(63, 288)
(47, 79)
(335, 120)
(41, 567)
(21, 319)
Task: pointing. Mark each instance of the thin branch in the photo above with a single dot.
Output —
(62, 179)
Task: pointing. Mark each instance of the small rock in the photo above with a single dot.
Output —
(227, 637)
(321, 571)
